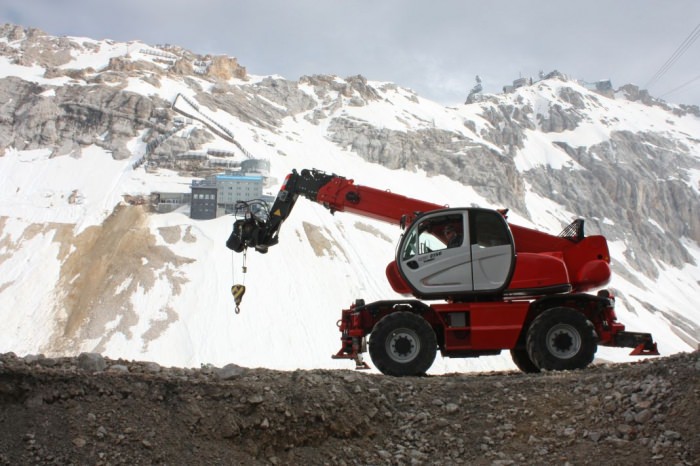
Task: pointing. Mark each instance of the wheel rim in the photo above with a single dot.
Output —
(563, 341)
(403, 345)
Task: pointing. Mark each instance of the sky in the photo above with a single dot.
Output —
(436, 48)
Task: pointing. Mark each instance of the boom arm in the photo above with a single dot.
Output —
(336, 193)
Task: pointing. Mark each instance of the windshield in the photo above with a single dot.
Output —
(433, 234)
(410, 246)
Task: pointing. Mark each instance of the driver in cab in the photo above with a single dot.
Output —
(453, 238)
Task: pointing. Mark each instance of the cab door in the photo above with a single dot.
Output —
(492, 250)
(430, 262)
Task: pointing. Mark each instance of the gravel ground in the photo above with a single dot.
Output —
(92, 410)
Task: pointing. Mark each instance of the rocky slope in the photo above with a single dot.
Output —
(89, 410)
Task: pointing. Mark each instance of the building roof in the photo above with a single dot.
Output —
(239, 177)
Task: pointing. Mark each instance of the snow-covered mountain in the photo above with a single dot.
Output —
(88, 130)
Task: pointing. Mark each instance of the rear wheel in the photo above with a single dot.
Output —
(561, 338)
(402, 344)
(523, 361)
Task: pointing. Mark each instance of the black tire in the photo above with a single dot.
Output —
(522, 360)
(561, 339)
(402, 344)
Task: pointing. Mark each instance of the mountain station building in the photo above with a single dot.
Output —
(217, 195)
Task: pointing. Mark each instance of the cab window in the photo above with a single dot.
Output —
(410, 247)
(488, 229)
(434, 234)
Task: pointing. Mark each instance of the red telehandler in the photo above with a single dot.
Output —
(498, 286)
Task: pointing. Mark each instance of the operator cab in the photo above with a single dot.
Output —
(457, 253)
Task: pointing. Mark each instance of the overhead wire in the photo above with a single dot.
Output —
(680, 50)
(681, 86)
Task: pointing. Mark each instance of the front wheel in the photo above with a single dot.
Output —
(402, 344)
(560, 339)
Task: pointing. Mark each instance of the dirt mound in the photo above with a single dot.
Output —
(90, 410)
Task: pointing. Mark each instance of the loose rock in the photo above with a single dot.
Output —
(141, 413)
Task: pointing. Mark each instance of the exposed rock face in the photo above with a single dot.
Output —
(224, 68)
(634, 93)
(32, 118)
(93, 107)
(635, 177)
(263, 104)
(325, 85)
(438, 153)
